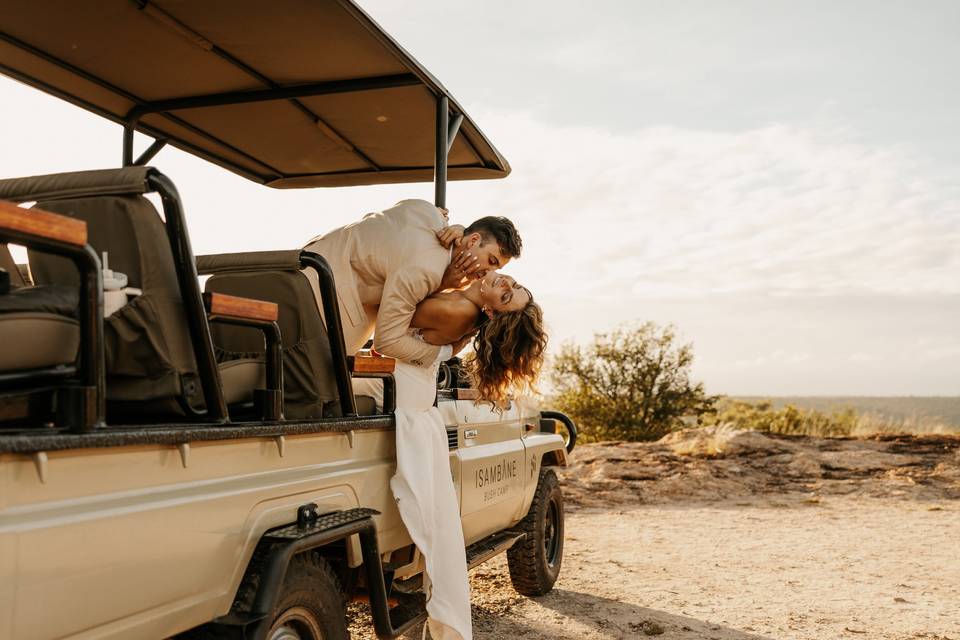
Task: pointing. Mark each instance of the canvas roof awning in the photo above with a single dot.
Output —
(288, 93)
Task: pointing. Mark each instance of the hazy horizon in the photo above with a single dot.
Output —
(778, 180)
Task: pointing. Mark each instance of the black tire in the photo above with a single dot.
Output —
(311, 605)
(535, 561)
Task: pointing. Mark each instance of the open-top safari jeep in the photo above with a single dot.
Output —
(195, 462)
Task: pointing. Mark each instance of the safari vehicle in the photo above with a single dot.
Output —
(194, 463)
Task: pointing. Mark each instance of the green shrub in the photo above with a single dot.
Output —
(630, 384)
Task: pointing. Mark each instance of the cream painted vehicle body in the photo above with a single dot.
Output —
(158, 480)
(146, 541)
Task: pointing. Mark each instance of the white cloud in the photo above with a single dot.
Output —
(669, 212)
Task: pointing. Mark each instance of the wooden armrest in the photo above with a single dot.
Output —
(43, 224)
(222, 305)
(466, 394)
(367, 363)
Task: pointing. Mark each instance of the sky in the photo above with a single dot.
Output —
(779, 180)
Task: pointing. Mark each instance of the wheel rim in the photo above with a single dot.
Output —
(296, 623)
(551, 534)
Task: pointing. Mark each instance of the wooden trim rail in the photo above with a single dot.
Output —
(37, 222)
(224, 306)
(367, 363)
(466, 394)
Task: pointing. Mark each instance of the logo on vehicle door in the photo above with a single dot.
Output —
(494, 473)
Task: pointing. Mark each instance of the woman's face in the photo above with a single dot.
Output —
(501, 293)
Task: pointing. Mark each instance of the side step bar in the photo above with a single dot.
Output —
(481, 551)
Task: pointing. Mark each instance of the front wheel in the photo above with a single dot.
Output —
(535, 561)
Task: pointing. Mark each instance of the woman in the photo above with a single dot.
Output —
(509, 343)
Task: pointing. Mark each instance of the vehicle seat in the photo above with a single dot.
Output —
(366, 405)
(151, 370)
(11, 267)
(38, 325)
(309, 386)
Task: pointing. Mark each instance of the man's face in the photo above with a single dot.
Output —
(487, 253)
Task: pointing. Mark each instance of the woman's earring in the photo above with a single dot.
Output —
(487, 311)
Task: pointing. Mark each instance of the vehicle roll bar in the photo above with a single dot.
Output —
(197, 323)
(331, 315)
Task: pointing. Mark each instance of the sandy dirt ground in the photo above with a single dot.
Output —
(734, 536)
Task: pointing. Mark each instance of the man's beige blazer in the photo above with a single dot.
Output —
(384, 265)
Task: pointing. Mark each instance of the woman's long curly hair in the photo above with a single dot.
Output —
(508, 353)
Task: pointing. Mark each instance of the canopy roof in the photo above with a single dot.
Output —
(288, 93)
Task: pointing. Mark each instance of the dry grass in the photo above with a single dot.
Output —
(841, 422)
(707, 442)
(872, 424)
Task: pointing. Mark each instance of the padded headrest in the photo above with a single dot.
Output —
(286, 260)
(129, 229)
(75, 184)
(290, 290)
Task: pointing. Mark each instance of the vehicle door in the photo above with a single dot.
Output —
(491, 458)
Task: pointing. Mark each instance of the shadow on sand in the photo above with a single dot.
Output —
(574, 615)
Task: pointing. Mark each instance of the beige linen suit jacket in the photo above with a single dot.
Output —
(384, 265)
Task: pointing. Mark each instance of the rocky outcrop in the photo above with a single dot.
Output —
(721, 463)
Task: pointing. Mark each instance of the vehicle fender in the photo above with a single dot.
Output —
(542, 450)
(264, 578)
(282, 511)
(554, 458)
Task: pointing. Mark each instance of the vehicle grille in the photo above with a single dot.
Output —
(452, 438)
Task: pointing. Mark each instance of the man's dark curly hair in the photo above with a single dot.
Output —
(500, 229)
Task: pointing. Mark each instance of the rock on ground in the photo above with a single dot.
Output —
(718, 463)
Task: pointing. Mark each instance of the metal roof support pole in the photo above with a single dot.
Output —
(128, 144)
(453, 130)
(331, 87)
(150, 151)
(440, 162)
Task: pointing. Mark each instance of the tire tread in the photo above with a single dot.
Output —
(527, 572)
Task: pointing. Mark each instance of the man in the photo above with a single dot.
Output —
(389, 261)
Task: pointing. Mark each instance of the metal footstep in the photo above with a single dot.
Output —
(411, 610)
(481, 551)
(309, 522)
